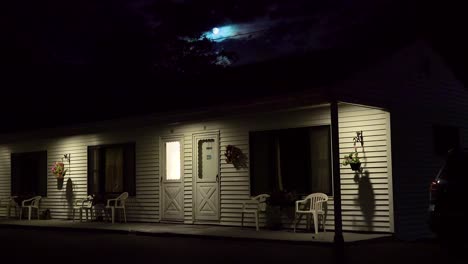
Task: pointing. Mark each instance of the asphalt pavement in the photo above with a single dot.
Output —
(49, 246)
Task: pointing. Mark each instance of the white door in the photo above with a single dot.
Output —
(172, 188)
(206, 176)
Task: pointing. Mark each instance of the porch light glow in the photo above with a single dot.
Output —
(173, 160)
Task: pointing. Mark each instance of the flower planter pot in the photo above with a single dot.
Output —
(273, 217)
(355, 166)
(60, 183)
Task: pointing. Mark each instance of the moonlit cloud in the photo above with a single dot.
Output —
(238, 31)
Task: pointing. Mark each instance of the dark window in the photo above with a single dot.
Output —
(29, 173)
(111, 169)
(293, 160)
(445, 138)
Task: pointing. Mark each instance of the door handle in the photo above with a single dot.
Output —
(217, 177)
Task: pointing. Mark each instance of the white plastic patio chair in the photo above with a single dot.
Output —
(32, 203)
(8, 203)
(259, 203)
(118, 203)
(85, 204)
(312, 205)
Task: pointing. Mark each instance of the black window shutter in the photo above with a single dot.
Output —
(129, 169)
(90, 170)
(15, 175)
(42, 173)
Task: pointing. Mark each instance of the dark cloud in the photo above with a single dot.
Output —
(90, 60)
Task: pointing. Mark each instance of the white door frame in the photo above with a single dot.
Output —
(200, 135)
(162, 174)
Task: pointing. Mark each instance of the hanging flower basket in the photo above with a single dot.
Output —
(59, 171)
(355, 166)
(60, 183)
(353, 160)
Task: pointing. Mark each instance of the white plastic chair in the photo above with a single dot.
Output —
(83, 204)
(260, 206)
(31, 204)
(118, 203)
(312, 205)
(8, 203)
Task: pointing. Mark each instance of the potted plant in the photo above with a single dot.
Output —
(278, 205)
(353, 160)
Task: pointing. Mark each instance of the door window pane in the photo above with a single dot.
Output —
(207, 159)
(173, 160)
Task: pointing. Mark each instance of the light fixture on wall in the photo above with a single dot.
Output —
(358, 138)
(66, 157)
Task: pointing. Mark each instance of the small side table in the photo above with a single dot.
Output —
(10, 203)
(101, 212)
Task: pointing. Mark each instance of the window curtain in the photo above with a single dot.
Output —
(295, 160)
(320, 159)
(114, 169)
(95, 171)
(263, 174)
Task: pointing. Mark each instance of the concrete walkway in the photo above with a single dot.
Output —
(203, 231)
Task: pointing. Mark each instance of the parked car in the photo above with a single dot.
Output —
(448, 203)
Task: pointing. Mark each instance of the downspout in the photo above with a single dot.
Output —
(338, 238)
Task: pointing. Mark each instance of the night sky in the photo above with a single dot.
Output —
(74, 61)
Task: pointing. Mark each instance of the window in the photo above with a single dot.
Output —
(173, 160)
(296, 160)
(29, 173)
(111, 169)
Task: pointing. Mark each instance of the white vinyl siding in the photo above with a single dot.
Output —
(234, 183)
(366, 206)
(142, 207)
